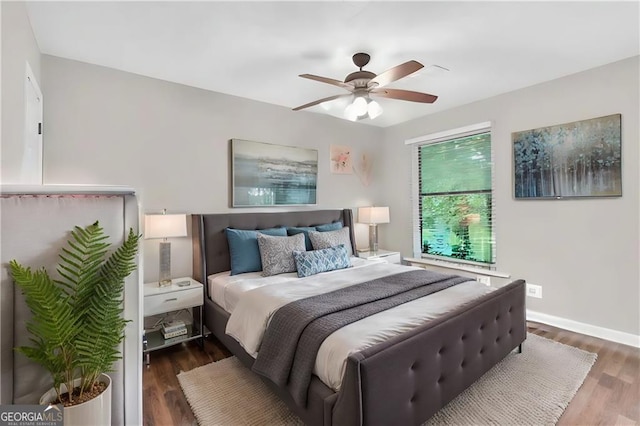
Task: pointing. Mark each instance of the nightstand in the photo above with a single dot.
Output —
(387, 256)
(166, 300)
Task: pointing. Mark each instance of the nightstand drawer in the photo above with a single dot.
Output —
(172, 301)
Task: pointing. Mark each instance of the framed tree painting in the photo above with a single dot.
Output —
(579, 159)
(264, 174)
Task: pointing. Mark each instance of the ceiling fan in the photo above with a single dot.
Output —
(365, 84)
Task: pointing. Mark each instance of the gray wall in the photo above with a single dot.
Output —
(18, 47)
(583, 252)
(170, 143)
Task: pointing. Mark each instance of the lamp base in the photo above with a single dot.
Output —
(164, 283)
(164, 279)
(373, 238)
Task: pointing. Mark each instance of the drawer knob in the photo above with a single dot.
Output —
(172, 299)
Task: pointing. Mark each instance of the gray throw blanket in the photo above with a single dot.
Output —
(296, 331)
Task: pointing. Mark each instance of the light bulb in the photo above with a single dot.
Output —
(374, 109)
(350, 113)
(360, 106)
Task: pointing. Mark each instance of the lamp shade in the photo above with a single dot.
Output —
(373, 215)
(165, 225)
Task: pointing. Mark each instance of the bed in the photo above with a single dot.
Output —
(402, 380)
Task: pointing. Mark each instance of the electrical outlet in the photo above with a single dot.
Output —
(534, 290)
(484, 280)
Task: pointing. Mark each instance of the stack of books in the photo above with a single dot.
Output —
(174, 329)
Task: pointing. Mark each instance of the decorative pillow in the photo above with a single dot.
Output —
(329, 227)
(323, 260)
(321, 240)
(276, 253)
(243, 248)
(302, 230)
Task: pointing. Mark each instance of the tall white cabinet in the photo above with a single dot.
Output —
(34, 224)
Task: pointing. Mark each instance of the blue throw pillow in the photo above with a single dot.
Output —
(316, 261)
(243, 248)
(329, 227)
(302, 230)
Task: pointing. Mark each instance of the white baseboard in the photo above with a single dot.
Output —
(588, 329)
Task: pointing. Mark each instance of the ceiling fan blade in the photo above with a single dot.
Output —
(395, 73)
(405, 95)
(319, 101)
(328, 81)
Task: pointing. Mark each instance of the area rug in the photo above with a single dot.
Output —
(531, 388)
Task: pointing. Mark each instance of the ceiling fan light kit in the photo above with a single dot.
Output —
(362, 107)
(363, 84)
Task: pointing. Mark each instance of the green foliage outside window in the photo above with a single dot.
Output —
(455, 193)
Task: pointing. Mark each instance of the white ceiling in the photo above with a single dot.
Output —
(256, 50)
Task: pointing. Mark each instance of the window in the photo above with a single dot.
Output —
(454, 196)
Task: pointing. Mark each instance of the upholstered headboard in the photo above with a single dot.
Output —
(210, 247)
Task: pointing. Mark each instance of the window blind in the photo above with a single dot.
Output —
(453, 200)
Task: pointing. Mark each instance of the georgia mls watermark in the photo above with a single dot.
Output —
(31, 415)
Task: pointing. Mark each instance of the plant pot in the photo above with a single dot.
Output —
(96, 411)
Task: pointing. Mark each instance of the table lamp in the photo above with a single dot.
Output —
(373, 216)
(165, 226)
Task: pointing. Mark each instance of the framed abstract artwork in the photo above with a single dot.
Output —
(264, 174)
(579, 159)
(341, 159)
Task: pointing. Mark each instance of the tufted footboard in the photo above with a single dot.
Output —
(407, 379)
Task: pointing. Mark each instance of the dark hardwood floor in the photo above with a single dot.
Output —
(162, 398)
(610, 395)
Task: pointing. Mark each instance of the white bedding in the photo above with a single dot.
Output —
(252, 299)
(226, 289)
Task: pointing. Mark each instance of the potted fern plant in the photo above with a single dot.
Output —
(77, 323)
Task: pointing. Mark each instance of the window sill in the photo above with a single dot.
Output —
(451, 265)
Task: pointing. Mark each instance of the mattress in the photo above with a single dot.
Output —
(252, 299)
